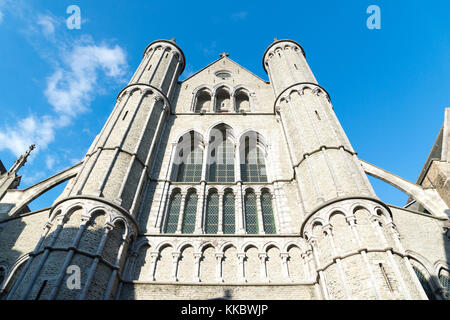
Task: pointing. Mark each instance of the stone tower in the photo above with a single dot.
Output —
(222, 185)
(93, 221)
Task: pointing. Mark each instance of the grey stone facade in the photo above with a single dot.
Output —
(300, 222)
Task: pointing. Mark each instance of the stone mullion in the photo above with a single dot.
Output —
(323, 284)
(240, 267)
(220, 218)
(284, 260)
(259, 213)
(153, 260)
(69, 256)
(200, 213)
(305, 264)
(375, 224)
(219, 267)
(181, 213)
(44, 258)
(94, 264)
(197, 257)
(175, 264)
(239, 212)
(263, 266)
(277, 207)
(160, 220)
(328, 230)
(351, 222)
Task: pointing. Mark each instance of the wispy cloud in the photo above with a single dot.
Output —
(70, 88)
(79, 65)
(239, 15)
(47, 24)
(211, 49)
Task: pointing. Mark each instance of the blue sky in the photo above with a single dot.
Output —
(389, 87)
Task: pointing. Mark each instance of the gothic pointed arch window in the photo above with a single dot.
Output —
(222, 100)
(212, 212)
(221, 155)
(267, 212)
(242, 100)
(252, 154)
(203, 101)
(190, 210)
(229, 220)
(251, 213)
(189, 158)
(424, 282)
(173, 212)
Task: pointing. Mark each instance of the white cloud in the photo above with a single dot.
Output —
(50, 162)
(239, 15)
(71, 89)
(28, 131)
(47, 24)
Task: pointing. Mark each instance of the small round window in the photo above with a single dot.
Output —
(223, 74)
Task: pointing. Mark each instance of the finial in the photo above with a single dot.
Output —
(173, 39)
(275, 39)
(224, 54)
(22, 159)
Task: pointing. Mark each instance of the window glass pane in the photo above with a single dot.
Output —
(190, 210)
(212, 213)
(253, 169)
(267, 213)
(425, 285)
(251, 217)
(228, 213)
(189, 168)
(222, 169)
(172, 213)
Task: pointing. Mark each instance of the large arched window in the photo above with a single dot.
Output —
(242, 101)
(252, 150)
(203, 101)
(190, 211)
(424, 282)
(221, 160)
(267, 212)
(189, 158)
(222, 100)
(212, 212)
(229, 224)
(173, 212)
(251, 213)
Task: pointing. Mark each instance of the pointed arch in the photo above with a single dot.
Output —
(253, 153)
(221, 154)
(188, 160)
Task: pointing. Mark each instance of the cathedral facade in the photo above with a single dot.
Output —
(225, 185)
